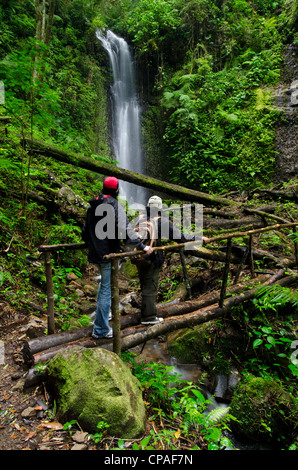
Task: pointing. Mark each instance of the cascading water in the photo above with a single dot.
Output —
(126, 131)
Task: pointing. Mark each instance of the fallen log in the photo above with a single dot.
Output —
(199, 316)
(245, 223)
(275, 194)
(42, 343)
(35, 146)
(131, 337)
(263, 255)
(207, 299)
(89, 342)
(265, 215)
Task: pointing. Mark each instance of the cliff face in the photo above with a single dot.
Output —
(287, 131)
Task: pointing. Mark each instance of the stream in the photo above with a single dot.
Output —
(156, 351)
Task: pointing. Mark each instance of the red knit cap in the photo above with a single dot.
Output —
(111, 182)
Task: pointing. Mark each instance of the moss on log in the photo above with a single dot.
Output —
(35, 146)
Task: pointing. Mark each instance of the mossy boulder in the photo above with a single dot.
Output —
(93, 385)
(209, 344)
(190, 345)
(265, 412)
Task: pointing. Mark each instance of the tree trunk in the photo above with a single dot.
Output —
(102, 168)
(44, 23)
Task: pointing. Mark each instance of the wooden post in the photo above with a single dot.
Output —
(242, 262)
(187, 283)
(251, 258)
(50, 293)
(296, 247)
(115, 307)
(226, 273)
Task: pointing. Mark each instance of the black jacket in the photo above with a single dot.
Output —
(106, 225)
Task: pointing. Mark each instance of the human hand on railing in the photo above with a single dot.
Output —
(148, 250)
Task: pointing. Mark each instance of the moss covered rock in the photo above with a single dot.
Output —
(93, 385)
(189, 345)
(265, 412)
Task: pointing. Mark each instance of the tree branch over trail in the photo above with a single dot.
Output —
(35, 146)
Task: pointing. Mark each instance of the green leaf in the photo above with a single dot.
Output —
(271, 340)
(198, 395)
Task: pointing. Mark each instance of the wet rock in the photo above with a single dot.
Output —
(28, 412)
(264, 411)
(79, 447)
(80, 437)
(90, 290)
(35, 327)
(71, 276)
(80, 293)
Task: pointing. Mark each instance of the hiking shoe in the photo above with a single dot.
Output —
(152, 322)
(109, 334)
(94, 336)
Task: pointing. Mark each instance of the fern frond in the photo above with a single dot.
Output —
(277, 295)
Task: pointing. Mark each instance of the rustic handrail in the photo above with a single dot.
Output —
(48, 249)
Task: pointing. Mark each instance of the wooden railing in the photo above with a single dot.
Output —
(114, 258)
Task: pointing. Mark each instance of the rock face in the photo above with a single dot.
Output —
(287, 135)
(93, 385)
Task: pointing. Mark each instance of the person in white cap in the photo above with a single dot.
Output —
(149, 273)
(155, 201)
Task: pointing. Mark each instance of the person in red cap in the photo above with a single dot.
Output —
(105, 226)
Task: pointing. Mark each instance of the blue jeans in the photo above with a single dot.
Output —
(101, 323)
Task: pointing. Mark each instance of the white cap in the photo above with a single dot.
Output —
(155, 201)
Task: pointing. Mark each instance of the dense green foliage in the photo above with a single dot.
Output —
(263, 408)
(207, 70)
(214, 66)
(55, 89)
(171, 398)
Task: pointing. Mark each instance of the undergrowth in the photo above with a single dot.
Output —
(177, 411)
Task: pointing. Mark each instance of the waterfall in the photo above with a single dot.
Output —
(126, 131)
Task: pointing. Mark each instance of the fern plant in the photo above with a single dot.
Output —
(275, 297)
